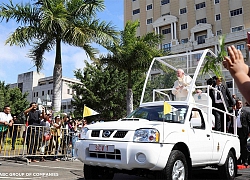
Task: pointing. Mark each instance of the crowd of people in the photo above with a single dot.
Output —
(43, 134)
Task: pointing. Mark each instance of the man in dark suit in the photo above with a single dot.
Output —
(217, 102)
(243, 124)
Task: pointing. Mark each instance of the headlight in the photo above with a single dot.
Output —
(84, 133)
(146, 135)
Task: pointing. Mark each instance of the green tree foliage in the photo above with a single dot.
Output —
(133, 54)
(212, 64)
(103, 89)
(45, 24)
(14, 98)
(161, 81)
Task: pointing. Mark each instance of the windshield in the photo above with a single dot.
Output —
(175, 77)
(155, 113)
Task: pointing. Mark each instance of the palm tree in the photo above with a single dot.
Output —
(133, 54)
(46, 24)
(213, 64)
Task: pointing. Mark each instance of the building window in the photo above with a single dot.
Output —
(150, 6)
(42, 93)
(48, 91)
(200, 5)
(36, 94)
(184, 26)
(229, 84)
(183, 41)
(136, 11)
(166, 47)
(201, 39)
(166, 31)
(219, 32)
(51, 91)
(42, 83)
(239, 28)
(216, 1)
(150, 20)
(165, 2)
(64, 106)
(166, 14)
(68, 91)
(197, 56)
(236, 12)
(183, 10)
(204, 20)
(217, 17)
(240, 46)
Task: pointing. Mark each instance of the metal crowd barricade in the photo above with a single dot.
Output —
(21, 142)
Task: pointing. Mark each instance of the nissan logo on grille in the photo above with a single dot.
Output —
(106, 133)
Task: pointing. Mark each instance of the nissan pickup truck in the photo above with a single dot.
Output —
(163, 137)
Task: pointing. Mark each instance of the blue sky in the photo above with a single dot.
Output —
(14, 60)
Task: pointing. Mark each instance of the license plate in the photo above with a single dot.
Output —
(101, 148)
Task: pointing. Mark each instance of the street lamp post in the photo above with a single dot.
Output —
(46, 101)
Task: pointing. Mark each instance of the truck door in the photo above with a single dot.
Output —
(200, 140)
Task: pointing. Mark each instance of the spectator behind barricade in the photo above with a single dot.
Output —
(75, 134)
(6, 121)
(56, 133)
(13, 131)
(34, 117)
(45, 132)
(85, 123)
(65, 133)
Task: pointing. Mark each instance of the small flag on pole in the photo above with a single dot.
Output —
(88, 112)
(166, 108)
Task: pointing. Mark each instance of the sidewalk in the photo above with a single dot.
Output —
(62, 170)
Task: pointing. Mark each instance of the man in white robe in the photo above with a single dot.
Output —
(181, 86)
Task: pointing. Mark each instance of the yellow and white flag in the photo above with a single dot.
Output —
(166, 108)
(88, 112)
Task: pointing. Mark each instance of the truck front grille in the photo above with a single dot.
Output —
(108, 133)
(120, 134)
(95, 133)
(106, 155)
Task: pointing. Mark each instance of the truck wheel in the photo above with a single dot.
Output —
(176, 167)
(229, 169)
(95, 172)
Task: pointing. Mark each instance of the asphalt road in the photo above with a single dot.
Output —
(65, 170)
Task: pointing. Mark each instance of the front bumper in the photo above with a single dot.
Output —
(127, 155)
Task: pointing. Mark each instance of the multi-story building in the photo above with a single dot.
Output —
(40, 88)
(190, 25)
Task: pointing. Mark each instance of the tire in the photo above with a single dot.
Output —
(176, 168)
(229, 169)
(96, 172)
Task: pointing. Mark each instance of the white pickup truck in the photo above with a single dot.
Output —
(166, 145)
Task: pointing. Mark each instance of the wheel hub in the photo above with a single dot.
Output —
(178, 171)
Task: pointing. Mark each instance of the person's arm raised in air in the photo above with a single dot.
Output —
(239, 70)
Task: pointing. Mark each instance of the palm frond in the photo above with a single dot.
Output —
(213, 64)
(36, 53)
